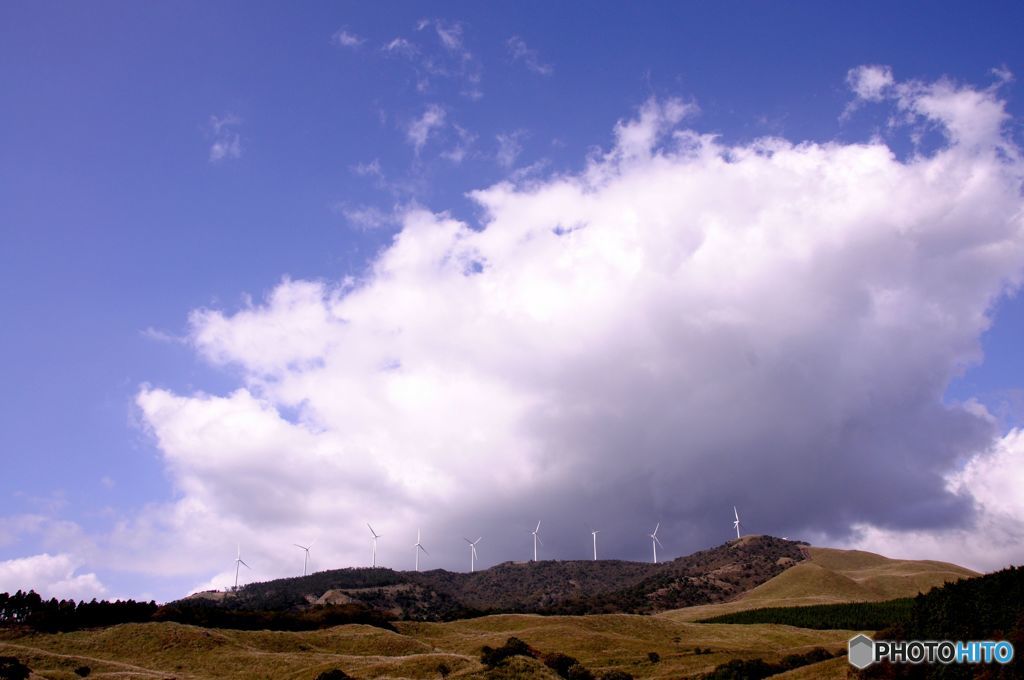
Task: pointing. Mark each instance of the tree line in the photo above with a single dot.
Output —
(844, 616)
(32, 611)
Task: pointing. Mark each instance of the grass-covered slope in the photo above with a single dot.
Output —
(833, 576)
(666, 645)
(602, 643)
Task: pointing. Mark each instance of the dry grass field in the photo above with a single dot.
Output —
(161, 651)
(832, 576)
(602, 643)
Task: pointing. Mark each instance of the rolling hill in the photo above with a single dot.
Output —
(830, 576)
(160, 651)
(546, 587)
(749, 573)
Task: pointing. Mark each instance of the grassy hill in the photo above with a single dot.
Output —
(754, 571)
(546, 587)
(832, 576)
(601, 642)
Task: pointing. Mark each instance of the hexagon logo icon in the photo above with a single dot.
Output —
(861, 652)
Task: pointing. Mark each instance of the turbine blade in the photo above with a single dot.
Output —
(538, 527)
(242, 562)
(467, 540)
(372, 531)
(540, 541)
(424, 550)
(658, 541)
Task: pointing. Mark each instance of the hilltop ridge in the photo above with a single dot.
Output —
(547, 587)
(833, 576)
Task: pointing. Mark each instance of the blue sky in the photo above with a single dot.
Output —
(160, 159)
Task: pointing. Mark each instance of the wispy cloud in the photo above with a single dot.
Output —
(509, 147)
(344, 38)
(152, 333)
(227, 142)
(368, 217)
(400, 47)
(371, 169)
(447, 58)
(420, 130)
(457, 153)
(519, 51)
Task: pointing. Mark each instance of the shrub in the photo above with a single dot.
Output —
(743, 669)
(578, 671)
(653, 657)
(491, 657)
(83, 671)
(559, 663)
(12, 669)
(846, 616)
(755, 669)
(814, 656)
(616, 675)
(444, 670)
(334, 674)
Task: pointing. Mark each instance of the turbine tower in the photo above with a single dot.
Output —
(655, 542)
(305, 560)
(594, 533)
(536, 540)
(736, 523)
(417, 548)
(472, 552)
(375, 537)
(238, 561)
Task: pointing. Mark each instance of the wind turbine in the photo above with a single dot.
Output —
(655, 542)
(536, 540)
(594, 533)
(238, 561)
(736, 523)
(375, 537)
(472, 553)
(305, 560)
(417, 548)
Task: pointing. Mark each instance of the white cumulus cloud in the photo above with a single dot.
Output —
(994, 537)
(870, 82)
(50, 576)
(682, 326)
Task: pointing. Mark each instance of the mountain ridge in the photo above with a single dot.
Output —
(716, 574)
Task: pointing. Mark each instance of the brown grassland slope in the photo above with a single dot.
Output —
(831, 576)
(419, 649)
(600, 642)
